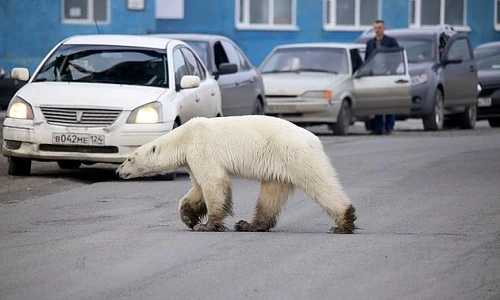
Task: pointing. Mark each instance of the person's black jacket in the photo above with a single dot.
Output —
(386, 42)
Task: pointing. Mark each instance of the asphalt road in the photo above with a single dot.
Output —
(428, 207)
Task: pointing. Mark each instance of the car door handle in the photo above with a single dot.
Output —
(402, 81)
(197, 98)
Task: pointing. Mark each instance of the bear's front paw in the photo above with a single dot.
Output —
(206, 227)
(243, 225)
(339, 230)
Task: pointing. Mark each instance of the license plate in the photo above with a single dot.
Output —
(282, 109)
(483, 101)
(78, 139)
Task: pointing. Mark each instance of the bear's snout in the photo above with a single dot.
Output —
(122, 174)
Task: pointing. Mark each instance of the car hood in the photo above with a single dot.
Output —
(124, 97)
(419, 68)
(489, 77)
(293, 84)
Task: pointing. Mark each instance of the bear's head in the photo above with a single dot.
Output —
(160, 156)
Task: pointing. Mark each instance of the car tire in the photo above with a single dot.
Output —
(258, 108)
(467, 119)
(19, 166)
(341, 127)
(435, 120)
(69, 164)
(369, 125)
(494, 122)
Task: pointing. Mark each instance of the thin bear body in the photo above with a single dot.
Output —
(279, 154)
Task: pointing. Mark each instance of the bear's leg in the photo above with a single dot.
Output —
(218, 199)
(192, 208)
(331, 197)
(272, 197)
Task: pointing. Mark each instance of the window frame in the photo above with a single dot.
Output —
(332, 26)
(90, 13)
(246, 25)
(442, 16)
(496, 24)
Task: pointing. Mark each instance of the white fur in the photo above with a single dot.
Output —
(260, 148)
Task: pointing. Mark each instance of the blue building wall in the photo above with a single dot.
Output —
(29, 29)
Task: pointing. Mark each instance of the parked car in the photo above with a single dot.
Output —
(240, 82)
(96, 98)
(8, 87)
(488, 64)
(443, 75)
(328, 83)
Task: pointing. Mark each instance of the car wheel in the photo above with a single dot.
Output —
(341, 127)
(69, 164)
(435, 120)
(369, 125)
(494, 122)
(19, 166)
(467, 119)
(258, 108)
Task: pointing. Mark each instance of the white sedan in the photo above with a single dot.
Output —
(96, 98)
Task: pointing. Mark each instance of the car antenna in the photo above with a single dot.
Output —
(95, 21)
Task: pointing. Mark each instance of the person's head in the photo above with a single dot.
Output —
(378, 28)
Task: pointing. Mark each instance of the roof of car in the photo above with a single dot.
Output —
(414, 32)
(190, 36)
(118, 40)
(489, 44)
(323, 45)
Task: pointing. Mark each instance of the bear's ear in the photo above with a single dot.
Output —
(153, 149)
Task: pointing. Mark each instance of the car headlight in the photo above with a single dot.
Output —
(19, 109)
(419, 79)
(147, 114)
(326, 94)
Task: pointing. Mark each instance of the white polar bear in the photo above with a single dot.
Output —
(276, 152)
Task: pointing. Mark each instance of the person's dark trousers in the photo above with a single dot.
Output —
(378, 124)
(390, 120)
(383, 124)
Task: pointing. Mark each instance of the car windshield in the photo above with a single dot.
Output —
(201, 48)
(106, 64)
(302, 59)
(418, 50)
(487, 58)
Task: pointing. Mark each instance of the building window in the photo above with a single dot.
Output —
(85, 11)
(350, 14)
(437, 12)
(266, 14)
(497, 14)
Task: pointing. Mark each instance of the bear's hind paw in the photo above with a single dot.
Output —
(243, 225)
(206, 228)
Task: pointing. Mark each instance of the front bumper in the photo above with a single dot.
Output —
(29, 139)
(305, 112)
(422, 100)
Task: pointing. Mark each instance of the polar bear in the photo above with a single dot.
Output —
(279, 154)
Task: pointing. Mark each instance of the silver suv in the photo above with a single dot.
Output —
(443, 76)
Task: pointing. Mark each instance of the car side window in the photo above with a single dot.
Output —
(193, 64)
(385, 62)
(460, 49)
(180, 67)
(231, 53)
(219, 55)
(244, 63)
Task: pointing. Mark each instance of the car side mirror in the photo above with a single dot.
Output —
(227, 68)
(22, 74)
(188, 82)
(363, 72)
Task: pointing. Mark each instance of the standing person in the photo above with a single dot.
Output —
(381, 126)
